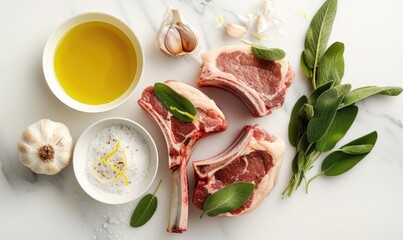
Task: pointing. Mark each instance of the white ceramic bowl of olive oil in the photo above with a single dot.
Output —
(115, 160)
(93, 62)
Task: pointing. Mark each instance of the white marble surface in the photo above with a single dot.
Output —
(365, 203)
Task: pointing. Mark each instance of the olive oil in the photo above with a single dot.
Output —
(95, 63)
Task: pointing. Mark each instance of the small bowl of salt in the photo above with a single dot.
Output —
(115, 160)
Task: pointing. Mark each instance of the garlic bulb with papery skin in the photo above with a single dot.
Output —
(45, 147)
(175, 37)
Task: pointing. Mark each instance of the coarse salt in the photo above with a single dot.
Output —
(118, 140)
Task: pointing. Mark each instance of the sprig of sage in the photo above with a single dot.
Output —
(320, 121)
(228, 198)
(175, 103)
(317, 37)
(145, 209)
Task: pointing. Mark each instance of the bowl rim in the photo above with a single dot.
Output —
(80, 168)
(56, 37)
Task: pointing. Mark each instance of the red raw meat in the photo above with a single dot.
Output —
(181, 138)
(261, 84)
(255, 156)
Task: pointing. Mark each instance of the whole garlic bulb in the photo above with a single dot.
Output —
(45, 147)
(175, 37)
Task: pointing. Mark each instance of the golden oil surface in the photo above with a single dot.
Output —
(95, 63)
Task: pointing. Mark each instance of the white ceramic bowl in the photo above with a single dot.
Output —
(49, 59)
(80, 162)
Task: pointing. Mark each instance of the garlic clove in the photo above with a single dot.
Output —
(261, 23)
(235, 30)
(189, 39)
(173, 42)
(245, 20)
(175, 37)
(161, 41)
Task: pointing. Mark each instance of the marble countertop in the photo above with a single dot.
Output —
(365, 203)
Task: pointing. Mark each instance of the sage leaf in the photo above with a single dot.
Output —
(228, 199)
(318, 91)
(338, 162)
(303, 143)
(295, 126)
(294, 164)
(325, 110)
(305, 69)
(268, 54)
(301, 161)
(298, 162)
(307, 111)
(364, 92)
(342, 121)
(343, 89)
(173, 102)
(318, 34)
(357, 149)
(331, 65)
(145, 209)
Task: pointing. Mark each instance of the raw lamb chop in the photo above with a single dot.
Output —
(181, 138)
(261, 84)
(255, 156)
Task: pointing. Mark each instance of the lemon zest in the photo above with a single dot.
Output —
(258, 37)
(186, 114)
(220, 19)
(114, 168)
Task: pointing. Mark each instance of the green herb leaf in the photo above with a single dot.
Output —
(228, 199)
(145, 209)
(325, 110)
(305, 69)
(357, 149)
(303, 143)
(298, 162)
(331, 66)
(343, 89)
(318, 35)
(294, 164)
(173, 101)
(268, 54)
(318, 91)
(364, 92)
(301, 161)
(341, 123)
(338, 162)
(295, 127)
(307, 111)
